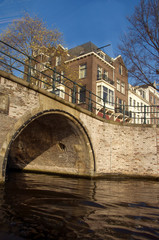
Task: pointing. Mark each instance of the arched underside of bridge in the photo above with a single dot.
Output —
(53, 141)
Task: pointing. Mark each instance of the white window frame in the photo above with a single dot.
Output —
(105, 75)
(130, 101)
(118, 85)
(111, 97)
(82, 71)
(109, 93)
(70, 95)
(123, 87)
(99, 73)
(99, 93)
(58, 60)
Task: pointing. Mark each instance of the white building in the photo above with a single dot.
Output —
(139, 107)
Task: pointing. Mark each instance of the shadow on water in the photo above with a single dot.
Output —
(39, 206)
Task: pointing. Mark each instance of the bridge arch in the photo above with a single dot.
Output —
(50, 141)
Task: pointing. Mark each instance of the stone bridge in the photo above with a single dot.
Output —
(43, 133)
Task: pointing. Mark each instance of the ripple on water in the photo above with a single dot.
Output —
(36, 206)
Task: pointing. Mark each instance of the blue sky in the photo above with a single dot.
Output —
(80, 21)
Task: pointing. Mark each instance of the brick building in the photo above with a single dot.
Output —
(45, 60)
(101, 81)
(104, 76)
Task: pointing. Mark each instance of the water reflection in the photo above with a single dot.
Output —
(47, 207)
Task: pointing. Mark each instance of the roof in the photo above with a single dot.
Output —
(86, 48)
(82, 49)
(146, 86)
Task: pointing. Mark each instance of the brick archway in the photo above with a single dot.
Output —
(51, 141)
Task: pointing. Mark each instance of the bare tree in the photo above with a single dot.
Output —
(41, 48)
(139, 47)
(27, 35)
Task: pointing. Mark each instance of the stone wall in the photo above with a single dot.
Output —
(16, 99)
(124, 149)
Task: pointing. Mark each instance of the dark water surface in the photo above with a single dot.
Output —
(47, 207)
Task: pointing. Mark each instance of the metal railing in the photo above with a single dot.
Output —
(105, 78)
(44, 76)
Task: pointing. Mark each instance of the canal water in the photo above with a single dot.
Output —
(39, 206)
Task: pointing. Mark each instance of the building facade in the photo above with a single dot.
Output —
(138, 105)
(104, 76)
(144, 104)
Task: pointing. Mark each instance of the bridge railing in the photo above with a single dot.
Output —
(27, 67)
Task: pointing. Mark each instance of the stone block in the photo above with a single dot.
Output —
(4, 103)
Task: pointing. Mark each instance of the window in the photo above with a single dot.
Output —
(130, 101)
(82, 71)
(70, 95)
(120, 101)
(154, 100)
(151, 109)
(142, 93)
(151, 98)
(105, 94)
(122, 87)
(134, 103)
(118, 85)
(120, 69)
(99, 93)
(111, 97)
(101, 54)
(82, 94)
(105, 75)
(99, 73)
(120, 105)
(58, 60)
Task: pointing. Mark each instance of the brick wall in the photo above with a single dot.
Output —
(130, 150)
(21, 99)
(122, 78)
